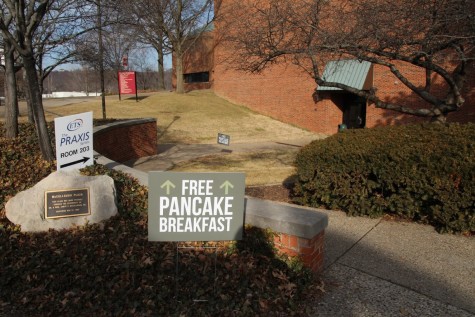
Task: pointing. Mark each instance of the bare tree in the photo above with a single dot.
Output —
(111, 39)
(149, 29)
(55, 36)
(90, 45)
(140, 62)
(181, 23)
(118, 42)
(36, 30)
(186, 21)
(26, 16)
(434, 36)
(11, 101)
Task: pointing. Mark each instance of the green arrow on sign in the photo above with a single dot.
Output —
(168, 184)
(226, 186)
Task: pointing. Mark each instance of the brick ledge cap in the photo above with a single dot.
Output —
(300, 221)
(129, 122)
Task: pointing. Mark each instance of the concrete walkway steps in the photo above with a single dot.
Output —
(170, 154)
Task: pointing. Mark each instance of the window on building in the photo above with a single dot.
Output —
(202, 77)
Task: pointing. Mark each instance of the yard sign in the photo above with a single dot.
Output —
(195, 206)
(74, 146)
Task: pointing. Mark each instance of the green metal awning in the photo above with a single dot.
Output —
(353, 73)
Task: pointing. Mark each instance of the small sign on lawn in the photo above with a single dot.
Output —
(195, 206)
(223, 139)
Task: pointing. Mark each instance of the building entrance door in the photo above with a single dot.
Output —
(354, 112)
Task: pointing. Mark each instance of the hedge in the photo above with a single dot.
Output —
(421, 172)
(21, 163)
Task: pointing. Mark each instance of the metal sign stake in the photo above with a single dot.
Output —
(177, 270)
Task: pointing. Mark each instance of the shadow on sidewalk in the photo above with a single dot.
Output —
(393, 268)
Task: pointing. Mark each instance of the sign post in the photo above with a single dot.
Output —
(74, 145)
(195, 206)
(128, 84)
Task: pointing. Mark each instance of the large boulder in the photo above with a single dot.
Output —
(27, 208)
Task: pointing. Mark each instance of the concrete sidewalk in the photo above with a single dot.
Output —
(373, 267)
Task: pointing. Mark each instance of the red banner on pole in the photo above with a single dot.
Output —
(127, 83)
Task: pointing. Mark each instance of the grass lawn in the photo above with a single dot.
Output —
(193, 118)
(196, 118)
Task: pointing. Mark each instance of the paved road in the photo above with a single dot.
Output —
(48, 103)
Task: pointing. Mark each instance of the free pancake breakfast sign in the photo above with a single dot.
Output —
(195, 206)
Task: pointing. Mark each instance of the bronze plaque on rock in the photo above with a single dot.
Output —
(67, 203)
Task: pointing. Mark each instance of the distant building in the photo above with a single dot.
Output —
(198, 63)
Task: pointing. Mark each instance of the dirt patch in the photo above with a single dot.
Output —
(273, 192)
(262, 167)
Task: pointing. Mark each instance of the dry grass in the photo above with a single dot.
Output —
(193, 118)
(196, 118)
(263, 168)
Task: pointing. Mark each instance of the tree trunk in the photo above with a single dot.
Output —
(101, 59)
(161, 71)
(180, 89)
(87, 83)
(31, 118)
(42, 87)
(11, 98)
(36, 105)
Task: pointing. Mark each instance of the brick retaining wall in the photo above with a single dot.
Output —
(127, 140)
(310, 251)
(299, 230)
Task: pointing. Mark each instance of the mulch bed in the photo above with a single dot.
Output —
(273, 192)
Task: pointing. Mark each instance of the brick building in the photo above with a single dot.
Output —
(285, 92)
(198, 63)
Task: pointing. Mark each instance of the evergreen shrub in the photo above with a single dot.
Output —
(21, 163)
(422, 172)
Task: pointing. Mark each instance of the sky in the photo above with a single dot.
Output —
(150, 55)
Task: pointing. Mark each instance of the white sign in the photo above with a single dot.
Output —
(74, 146)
